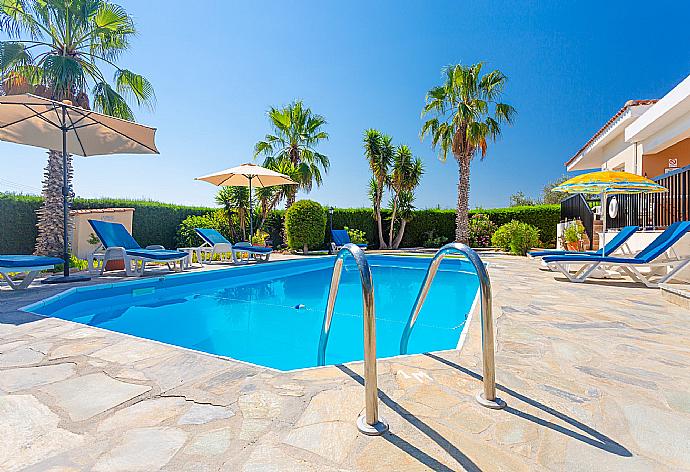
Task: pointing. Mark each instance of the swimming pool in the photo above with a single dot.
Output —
(271, 314)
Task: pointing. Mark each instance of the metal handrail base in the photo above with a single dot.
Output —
(487, 397)
(369, 423)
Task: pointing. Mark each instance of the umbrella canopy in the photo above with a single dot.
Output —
(248, 175)
(609, 182)
(241, 176)
(36, 121)
(48, 124)
(606, 183)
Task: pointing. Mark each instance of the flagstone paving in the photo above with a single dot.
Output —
(596, 377)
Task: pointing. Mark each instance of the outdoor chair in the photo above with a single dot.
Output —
(216, 243)
(341, 238)
(24, 264)
(659, 257)
(619, 241)
(120, 245)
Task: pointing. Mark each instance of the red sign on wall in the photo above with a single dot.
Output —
(673, 163)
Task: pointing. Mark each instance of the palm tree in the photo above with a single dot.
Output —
(405, 176)
(378, 149)
(66, 45)
(235, 200)
(467, 115)
(296, 133)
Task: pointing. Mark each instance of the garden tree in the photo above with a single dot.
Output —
(235, 200)
(297, 131)
(467, 114)
(66, 46)
(406, 173)
(270, 197)
(520, 199)
(305, 223)
(548, 196)
(378, 149)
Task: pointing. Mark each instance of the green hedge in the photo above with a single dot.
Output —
(153, 222)
(158, 223)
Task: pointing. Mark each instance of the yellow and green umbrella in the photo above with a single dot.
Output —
(607, 183)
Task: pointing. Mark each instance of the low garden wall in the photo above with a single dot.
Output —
(158, 223)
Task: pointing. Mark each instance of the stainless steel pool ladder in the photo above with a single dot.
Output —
(487, 397)
(369, 423)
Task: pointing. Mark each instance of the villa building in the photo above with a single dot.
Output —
(645, 137)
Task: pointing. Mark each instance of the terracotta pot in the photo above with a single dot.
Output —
(574, 246)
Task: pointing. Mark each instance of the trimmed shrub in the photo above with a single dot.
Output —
(516, 236)
(543, 217)
(305, 222)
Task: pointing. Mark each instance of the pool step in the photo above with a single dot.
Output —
(678, 294)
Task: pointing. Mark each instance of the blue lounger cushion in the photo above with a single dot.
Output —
(156, 254)
(618, 240)
(262, 249)
(341, 238)
(113, 235)
(19, 260)
(660, 245)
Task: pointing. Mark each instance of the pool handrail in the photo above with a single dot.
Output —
(369, 423)
(487, 397)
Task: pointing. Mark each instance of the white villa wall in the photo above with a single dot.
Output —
(622, 154)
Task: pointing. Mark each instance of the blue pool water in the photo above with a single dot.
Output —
(249, 313)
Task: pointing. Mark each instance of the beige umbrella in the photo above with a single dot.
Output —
(36, 121)
(248, 175)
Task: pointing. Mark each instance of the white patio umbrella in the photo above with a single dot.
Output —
(36, 121)
(247, 175)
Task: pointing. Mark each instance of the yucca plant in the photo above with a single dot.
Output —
(467, 115)
(297, 131)
(406, 174)
(61, 49)
(378, 150)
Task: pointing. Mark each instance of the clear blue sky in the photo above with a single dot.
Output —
(217, 66)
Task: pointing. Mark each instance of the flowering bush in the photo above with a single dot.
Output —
(356, 236)
(481, 230)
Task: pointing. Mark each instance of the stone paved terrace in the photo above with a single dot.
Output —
(595, 376)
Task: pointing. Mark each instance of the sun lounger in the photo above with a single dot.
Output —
(216, 243)
(341, 238)
(659, 257)
(120, 245)
(29, 265)
(619, 241)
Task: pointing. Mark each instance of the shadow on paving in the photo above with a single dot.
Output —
(410, 449)
(591, 436)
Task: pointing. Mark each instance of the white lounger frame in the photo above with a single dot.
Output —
(134, 265)
(31, 273)
(207, 252)
(673, 265)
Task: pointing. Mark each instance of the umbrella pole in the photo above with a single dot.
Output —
(604, 211)
(65, 216)
(251, 212)
(65, 196)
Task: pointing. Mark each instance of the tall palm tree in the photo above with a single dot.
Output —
(297, 131)
(66, 46)
(406, 173)
(467, 114)
(378, 149)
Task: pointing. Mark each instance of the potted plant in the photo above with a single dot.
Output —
(573, 236)
(259, 238)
